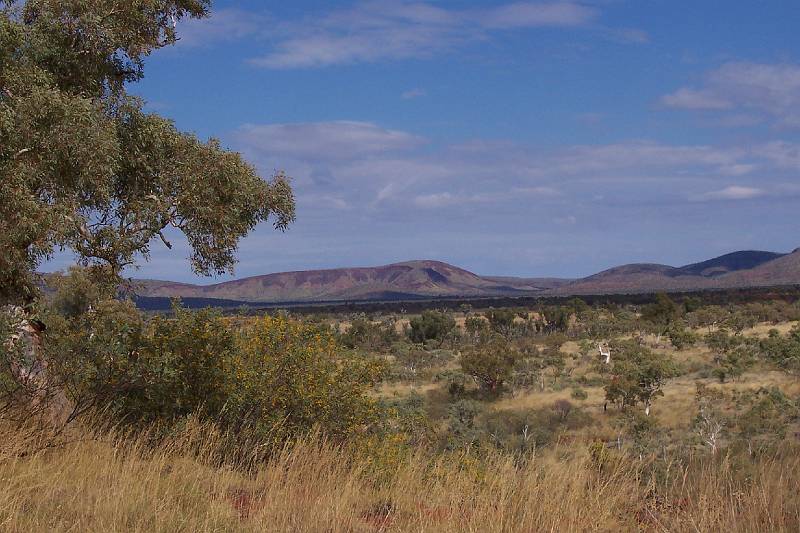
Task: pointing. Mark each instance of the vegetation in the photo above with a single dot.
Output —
(332, 401)
(84, 167)
(512, 420)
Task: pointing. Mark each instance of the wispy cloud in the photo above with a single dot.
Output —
(376, 30)
(772, 90)
(445, 199)
(342, 164)
(223, 25)
(534, 15)
(695, 99)
(732, 192)
(413, 93)
(325, 140)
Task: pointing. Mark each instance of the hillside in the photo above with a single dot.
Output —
(738, 269)
(433, 279)
(408, 279)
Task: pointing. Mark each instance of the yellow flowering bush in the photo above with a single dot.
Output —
(290, 377)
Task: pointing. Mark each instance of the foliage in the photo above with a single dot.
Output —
(290, 377)
(784, 352)
(414, 359)
(431, 326)
(662, 313)
(98, 357)
(490, 363)
(681, 338)
(84, 167)
(637, 374)
(763, 418)
(462, 430)
(556, 319)
(364, 333)
(733, 363)
(578, 394)
(475, 326)
(272, 376)
(501, 321)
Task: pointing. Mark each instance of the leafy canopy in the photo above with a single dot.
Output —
(83, 167)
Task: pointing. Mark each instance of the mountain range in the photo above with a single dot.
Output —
(434, 279)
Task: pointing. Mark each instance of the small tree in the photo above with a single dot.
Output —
(680, 337)
(490, 363)
(709, 423)
(431, 325)
(556, 319)
(662, 313)
(291, 377)
(501, 320)
(637, 375)
(476, 326)
(733, 363)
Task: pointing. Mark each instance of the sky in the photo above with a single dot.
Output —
(553, 138)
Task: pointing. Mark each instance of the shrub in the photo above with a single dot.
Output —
(431, 325)
(501, 320)
(291, 377)
(681, 337)
(364, 333)
(579, 394)
(637, 374)
(490, 363)
(476, 326)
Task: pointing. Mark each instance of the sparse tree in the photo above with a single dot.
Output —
(501, 320)
(637, 375)
(663, 313)
(709, 422)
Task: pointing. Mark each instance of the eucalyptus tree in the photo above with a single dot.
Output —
(84, 167)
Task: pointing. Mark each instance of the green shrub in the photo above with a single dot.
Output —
(490, 363)
(431, 326)
(290, 377)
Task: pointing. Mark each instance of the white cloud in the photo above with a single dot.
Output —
(693, 99)
(535, 14)
(322, 201)
(346, 165)
(444, 199)
(324, 140)
(435, 200)
(223, 25)
(376, 30)
(773, 90)
(733, 192)
(413, 93)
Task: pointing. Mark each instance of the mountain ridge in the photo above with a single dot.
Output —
(431, 278)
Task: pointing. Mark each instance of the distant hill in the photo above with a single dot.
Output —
(434, 279)
(735, 270)
(729, 263)
(409, 279)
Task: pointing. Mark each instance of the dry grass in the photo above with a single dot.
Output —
(116, 483)
(762, 330)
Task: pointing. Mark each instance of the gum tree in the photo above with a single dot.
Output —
(83, 167)
(637, 375)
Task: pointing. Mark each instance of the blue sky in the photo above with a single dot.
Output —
(511, 138)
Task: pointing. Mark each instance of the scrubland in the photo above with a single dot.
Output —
(476, 420)
(112, 482)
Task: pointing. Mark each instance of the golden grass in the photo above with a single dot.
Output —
(116, 483)
(762, 330)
